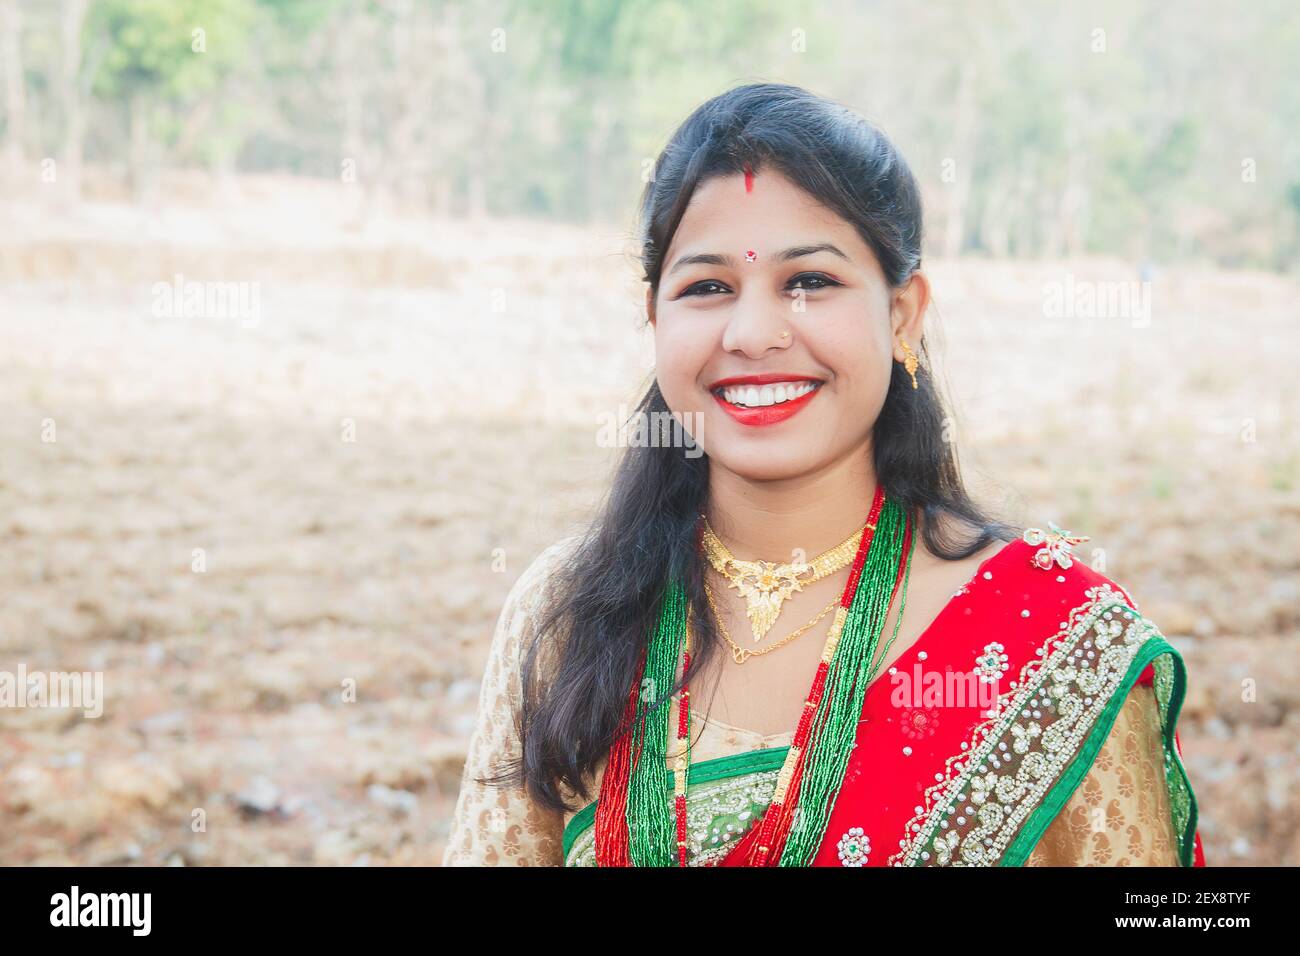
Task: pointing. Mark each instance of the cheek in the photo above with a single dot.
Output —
(855, 348)
(682, 350)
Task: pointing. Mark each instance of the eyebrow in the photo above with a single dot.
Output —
(785, 255)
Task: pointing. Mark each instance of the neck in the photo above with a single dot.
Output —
(771, 520)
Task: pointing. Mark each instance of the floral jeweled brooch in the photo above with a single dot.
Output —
(992, 663)
(854, 848)
(1056, 546)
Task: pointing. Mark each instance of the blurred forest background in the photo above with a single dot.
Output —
(1112, 127)
(237, 519)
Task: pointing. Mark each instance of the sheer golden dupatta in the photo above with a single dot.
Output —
(1121, 813)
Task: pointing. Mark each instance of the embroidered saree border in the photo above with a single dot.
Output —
(1083, 672)
(1169, 696)
(732, 765)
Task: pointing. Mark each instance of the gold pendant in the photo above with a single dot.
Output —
(765, 584)
(766, 587)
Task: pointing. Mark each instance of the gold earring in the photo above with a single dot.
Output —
(909, 362)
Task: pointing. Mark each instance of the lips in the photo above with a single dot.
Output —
(764, 399)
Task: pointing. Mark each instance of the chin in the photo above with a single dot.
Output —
(766, 460)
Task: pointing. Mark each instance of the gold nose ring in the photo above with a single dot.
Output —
(785, 334)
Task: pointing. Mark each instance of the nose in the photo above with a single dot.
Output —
(756, 323)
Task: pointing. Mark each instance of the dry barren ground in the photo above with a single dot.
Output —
(469, 365)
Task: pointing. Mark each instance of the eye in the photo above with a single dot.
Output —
(812, 281)
(698, 288)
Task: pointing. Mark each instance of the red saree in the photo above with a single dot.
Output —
(942, 773)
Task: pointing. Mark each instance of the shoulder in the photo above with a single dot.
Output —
(1044, 569)
(527, 601)
(1037, 592)
(532, 586)
(1037, 586)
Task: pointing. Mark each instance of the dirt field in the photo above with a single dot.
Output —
(413, 396)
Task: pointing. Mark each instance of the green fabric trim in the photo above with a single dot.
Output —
(1170, 704)
(1171, 686)
(733, 765)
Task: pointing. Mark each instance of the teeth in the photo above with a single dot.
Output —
(757, 396)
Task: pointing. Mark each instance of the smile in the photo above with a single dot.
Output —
(760, 396)
(764, 399)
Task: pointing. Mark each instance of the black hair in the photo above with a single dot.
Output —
(605, 599)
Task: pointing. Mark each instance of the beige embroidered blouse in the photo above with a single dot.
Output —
(1119, 815)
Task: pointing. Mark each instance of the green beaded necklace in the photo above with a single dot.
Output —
(650, 829)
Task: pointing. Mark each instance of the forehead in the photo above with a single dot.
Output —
(774, 214)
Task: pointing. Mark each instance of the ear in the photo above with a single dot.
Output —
(907, 312)
(650, 304)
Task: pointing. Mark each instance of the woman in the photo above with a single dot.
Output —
(808, 645)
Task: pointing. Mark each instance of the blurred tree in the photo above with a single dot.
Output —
(73, 86)
(1036, 129)
(11, 49)
(162, 54)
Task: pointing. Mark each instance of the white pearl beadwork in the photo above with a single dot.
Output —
(853, 848)
(991, 664)
(1095, 636)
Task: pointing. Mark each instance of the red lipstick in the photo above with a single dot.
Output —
(765, 414)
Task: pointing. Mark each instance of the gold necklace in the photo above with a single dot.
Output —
(742, 654)
(765, 584)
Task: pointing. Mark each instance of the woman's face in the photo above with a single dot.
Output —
(762, 404)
